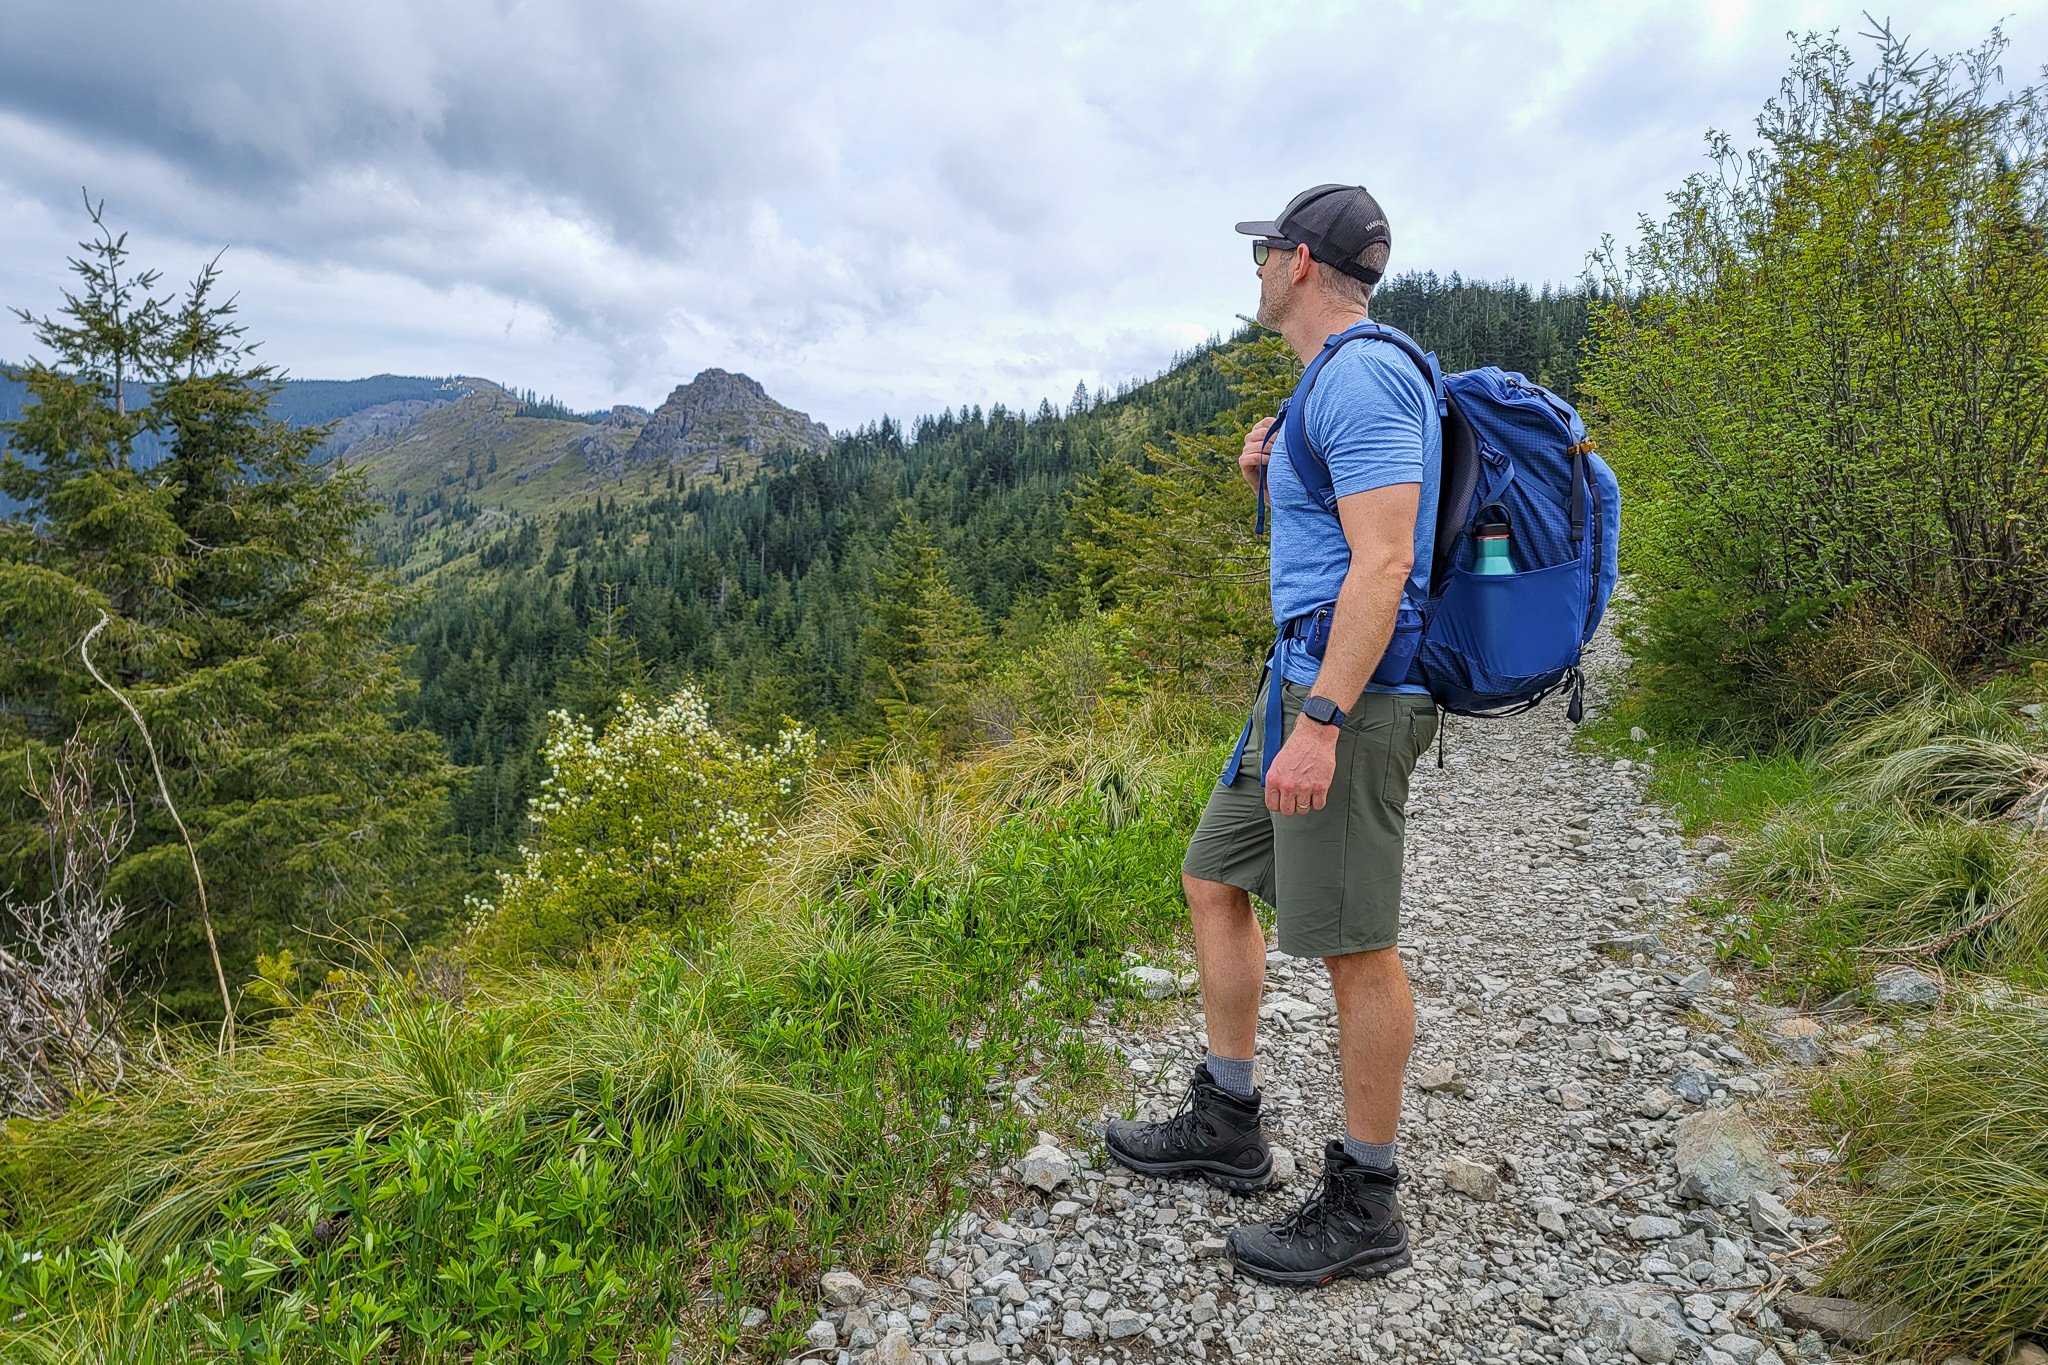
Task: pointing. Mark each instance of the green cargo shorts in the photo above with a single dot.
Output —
(1333, 876)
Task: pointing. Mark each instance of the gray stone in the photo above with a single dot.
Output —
(1769, 1218)
(1471, 1179)
(1045, 1168)
(1283, 1165)
(983, 1353)
(1154, 983)
(1075, 1326)
(821, 1335)
(1843, 1320)
(1550, 1214)
(1122, 1322)
(1742, 1350)
(894, 1349)
(841, 1290)
(1719, 862)
(1650, 1227)
(1650, 1341)
(1905, 987)
(1693, 1086)
(1799, 1039)
(1721, 1159)
(2026, 1353)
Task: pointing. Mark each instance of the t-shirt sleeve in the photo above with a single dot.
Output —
(1368, 417)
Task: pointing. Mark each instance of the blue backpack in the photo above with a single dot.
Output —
(1513, 452)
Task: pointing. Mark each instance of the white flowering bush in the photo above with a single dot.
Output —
(655, 822)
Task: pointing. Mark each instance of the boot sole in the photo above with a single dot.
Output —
(1366, 1265)
(1231, 1178)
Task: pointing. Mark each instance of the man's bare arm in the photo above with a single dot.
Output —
(1379, 526)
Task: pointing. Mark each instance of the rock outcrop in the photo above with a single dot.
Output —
(720, 411)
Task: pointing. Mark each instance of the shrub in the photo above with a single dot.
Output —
(1820, 380)
(655, 823)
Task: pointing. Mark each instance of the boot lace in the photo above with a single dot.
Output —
(1326, 1210)
(1186, 1127)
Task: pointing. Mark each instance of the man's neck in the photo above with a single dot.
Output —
(1310, 327)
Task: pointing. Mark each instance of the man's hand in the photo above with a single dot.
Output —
(1252, 464)
(1299, 780)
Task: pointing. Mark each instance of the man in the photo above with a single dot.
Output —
(1320, 838)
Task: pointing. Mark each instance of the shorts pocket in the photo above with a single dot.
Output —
(1414, 730)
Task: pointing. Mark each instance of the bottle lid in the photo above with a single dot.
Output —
(1486, 530)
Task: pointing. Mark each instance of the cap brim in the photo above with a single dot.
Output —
(1267, 229)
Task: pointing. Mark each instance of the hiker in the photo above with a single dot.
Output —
(1310, 814)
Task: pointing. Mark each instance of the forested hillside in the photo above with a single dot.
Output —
(764, 591)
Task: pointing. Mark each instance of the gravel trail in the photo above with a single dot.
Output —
(1577, 1066)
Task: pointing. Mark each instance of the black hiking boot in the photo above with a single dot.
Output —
(1214, 1134)
(1350, 1226)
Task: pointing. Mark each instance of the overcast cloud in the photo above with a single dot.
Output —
(878, 208)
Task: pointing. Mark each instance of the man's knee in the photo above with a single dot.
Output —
(1215, 898)
(1367, 969)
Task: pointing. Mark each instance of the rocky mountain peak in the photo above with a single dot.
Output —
(722, 411)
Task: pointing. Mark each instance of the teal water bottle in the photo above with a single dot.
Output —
(1490, 548)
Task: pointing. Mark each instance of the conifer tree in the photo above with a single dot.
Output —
(922, 647)
(243, 624)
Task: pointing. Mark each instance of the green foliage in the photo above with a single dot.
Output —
(922, 650)
(407, 1168)
(1820, 380)
(1908, 842)
(653, 825)
(1948, 1149)
(244, 625)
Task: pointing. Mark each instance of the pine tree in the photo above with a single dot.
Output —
(243, 624)
(922, 647)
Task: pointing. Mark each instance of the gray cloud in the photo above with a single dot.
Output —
(890, 207)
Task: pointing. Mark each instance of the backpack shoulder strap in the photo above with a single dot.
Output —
(1309, 466)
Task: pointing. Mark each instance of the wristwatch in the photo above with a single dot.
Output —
(1322, 710)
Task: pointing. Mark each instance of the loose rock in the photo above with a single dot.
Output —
(1721, 1158)
(1905, 987)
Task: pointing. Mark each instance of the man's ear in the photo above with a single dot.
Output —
(1303, 262)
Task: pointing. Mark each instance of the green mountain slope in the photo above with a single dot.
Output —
(455, 473)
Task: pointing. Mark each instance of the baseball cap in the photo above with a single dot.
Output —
(1335, 222)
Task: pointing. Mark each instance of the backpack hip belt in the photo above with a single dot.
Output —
(1309, 634)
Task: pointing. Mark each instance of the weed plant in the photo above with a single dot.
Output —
(607, 1160)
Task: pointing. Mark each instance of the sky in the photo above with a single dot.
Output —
(885, 208)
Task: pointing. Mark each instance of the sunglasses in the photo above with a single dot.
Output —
(1266, 246)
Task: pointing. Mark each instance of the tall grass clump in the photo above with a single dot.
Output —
(1919, 842)
(1947, 1215)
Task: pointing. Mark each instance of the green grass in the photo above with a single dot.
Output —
(1705, 787)
(1947, 1157)
(1889, 835)
(598, 1163)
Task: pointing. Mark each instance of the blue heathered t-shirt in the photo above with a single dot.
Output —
(1372, 418)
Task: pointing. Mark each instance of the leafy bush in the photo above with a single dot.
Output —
(656, 823)
(1820, 379)
(1948, 1150)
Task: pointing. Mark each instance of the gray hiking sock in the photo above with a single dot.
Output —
(1378, 1154)
(1234, 1074)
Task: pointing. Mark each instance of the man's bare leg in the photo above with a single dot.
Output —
(1230, 949)
(1376, 1032)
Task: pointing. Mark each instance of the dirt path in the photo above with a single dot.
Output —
(1565, 1054)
